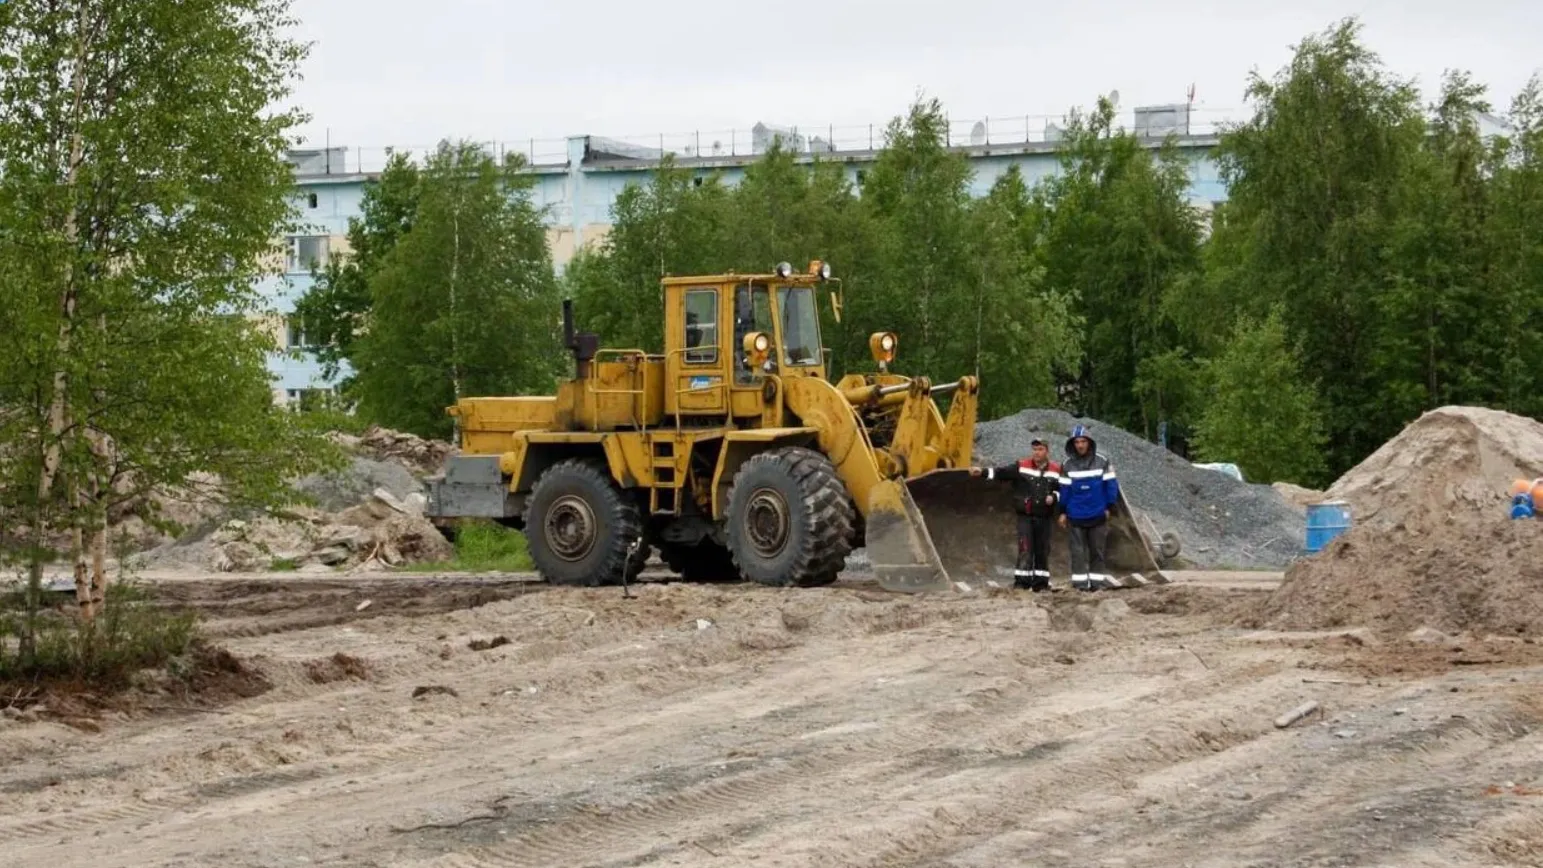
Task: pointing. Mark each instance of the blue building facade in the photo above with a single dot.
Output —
(577, 194)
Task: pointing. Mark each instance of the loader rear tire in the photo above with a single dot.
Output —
(789, 518)
(706, 561)
(581, 527)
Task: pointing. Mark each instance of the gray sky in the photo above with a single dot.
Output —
(408, 72)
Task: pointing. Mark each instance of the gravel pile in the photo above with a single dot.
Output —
(1221, 523)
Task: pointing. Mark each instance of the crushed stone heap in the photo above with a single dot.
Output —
(1432, 544)
(1220, 522)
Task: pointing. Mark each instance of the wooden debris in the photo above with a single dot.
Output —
(1296, 714)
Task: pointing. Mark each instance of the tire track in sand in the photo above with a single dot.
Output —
(893, 758)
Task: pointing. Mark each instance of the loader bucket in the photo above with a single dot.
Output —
(900, 548)
(974, 530)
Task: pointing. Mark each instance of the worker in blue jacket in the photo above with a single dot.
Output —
(1089, 491)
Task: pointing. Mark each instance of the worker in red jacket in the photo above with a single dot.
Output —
(1036, 490)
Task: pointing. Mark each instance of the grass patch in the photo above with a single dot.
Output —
(484, 547)
(132, 634)
(284, 565)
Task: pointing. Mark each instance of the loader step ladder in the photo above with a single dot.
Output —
(663, 495)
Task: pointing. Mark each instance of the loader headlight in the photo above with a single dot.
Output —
(757, 347)
(882, 345)
(784, 270)
(820, 269)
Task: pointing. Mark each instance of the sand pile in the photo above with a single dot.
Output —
(1220, 522)
(1481, 581)
(1433, 545)
(1298, 496)
(1453, 464)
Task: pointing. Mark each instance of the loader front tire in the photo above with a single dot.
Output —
(789, 518)
(581, 527)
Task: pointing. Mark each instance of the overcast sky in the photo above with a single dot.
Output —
(409, 72)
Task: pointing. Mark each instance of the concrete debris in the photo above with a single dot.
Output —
(366, 517)
(422, 456)
(1221, 523)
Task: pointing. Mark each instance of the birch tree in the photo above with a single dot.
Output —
(464, 302)
(142, 190)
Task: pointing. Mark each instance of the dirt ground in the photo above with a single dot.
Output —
(493, 722)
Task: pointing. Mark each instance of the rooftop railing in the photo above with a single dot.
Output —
(748, 142)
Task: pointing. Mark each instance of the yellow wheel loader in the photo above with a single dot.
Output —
(731, 452)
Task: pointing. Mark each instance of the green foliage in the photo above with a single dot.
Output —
(484, 547)
(1402, 248)
(137, 213)
(134, 633)
(337, 305)
(1315, 186)
(1025, 331)
(957, 278)
(1513, 242)
(464, 302)
(1120, 237)
(671, 226)
(1260, 413)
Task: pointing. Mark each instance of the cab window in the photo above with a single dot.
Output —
(752, 313)
(800, 326)
(701, 342)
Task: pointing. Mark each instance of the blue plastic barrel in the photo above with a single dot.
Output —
(1325, 521)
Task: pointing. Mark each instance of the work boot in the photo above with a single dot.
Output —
(1039, 585)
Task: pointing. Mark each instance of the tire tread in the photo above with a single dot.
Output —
(829, 510)
(620, 512)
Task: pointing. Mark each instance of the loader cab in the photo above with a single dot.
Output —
(710, 369)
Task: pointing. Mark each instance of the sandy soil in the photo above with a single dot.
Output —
(734, 725)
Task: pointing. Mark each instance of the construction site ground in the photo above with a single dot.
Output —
(493, 721)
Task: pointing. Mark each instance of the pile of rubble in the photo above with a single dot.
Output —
(368, 516)
(422, 457)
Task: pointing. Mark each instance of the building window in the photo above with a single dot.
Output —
(294, 334)
(697, 181)
(310, 400)
(311, 200)
(306, 252)
(862, 175)
(701, 326)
